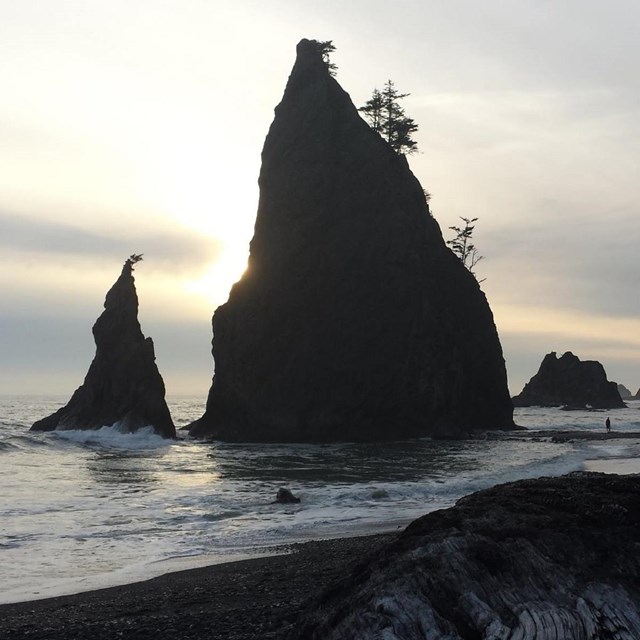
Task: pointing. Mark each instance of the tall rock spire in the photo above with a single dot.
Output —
(123, 385)
(353, 320)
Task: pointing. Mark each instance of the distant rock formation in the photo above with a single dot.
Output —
(567, 381)
(545, 559)
(625, 394)
(353, 320)
(637, 396)
(123, 384)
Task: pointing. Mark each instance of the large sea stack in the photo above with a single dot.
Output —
(570, 382)
(353, 321)
(123, 386)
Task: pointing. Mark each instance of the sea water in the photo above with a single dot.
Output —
(85, 509)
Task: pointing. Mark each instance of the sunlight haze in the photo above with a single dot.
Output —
(137, 127)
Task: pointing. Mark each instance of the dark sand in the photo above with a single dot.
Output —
(248, 599)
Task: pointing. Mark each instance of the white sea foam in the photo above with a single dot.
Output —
(115, 437)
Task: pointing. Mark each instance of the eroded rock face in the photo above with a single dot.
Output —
(123, 384)
(353, 320)
(570, 382)
(545, 559)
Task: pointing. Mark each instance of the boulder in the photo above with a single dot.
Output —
(353, 321)
(123, 386)
(567, 381)
(284, 496)
(546, 559)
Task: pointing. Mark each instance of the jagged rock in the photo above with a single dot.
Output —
(123, 385)
(353, 321)
(637, 396)
(625, 394)
(284, 496)
(536, 559)
(569, 382)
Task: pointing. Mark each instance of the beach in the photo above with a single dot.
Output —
(256, 598)
(243, 600)
(84, 512)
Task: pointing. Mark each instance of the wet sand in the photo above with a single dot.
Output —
(245, 600)
(556, 435)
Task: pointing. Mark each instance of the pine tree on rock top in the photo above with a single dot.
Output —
(386, 116)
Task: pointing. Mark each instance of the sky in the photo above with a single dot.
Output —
(137, 127)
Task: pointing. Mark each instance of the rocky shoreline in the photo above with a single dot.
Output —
(530, 560)
(544, 558)
(559, 435)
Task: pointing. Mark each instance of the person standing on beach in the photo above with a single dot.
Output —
(607, 423)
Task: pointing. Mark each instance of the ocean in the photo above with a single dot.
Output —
(81, 510)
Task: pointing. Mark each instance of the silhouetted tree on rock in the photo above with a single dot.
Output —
(385, 116)
(462, 245)
(326, 48)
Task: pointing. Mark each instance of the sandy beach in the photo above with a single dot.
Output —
(243, 600)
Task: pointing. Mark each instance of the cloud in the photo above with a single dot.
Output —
(180, 248)
(51, 355)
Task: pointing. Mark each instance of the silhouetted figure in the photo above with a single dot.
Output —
(607, 423)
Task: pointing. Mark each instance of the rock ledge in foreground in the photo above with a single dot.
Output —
(545, 559)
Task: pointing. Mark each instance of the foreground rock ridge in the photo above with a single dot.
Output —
(123, 384)
(353, 321)
(537, 559)
(571, 382)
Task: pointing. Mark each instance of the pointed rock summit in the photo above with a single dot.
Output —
(123, 385)
(353, 321)
(571, 382)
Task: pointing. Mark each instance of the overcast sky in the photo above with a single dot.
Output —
(137, 127)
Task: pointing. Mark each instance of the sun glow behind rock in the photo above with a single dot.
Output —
(216, 283)
(196, 184)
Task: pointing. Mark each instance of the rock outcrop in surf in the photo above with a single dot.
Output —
(353, 321)
(568, 381)
(123, 385)
(547, 558)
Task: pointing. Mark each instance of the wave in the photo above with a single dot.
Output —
(114, 438)
(21, 442)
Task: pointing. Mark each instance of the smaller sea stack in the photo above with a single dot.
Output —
(123, 385)
(568, 381)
